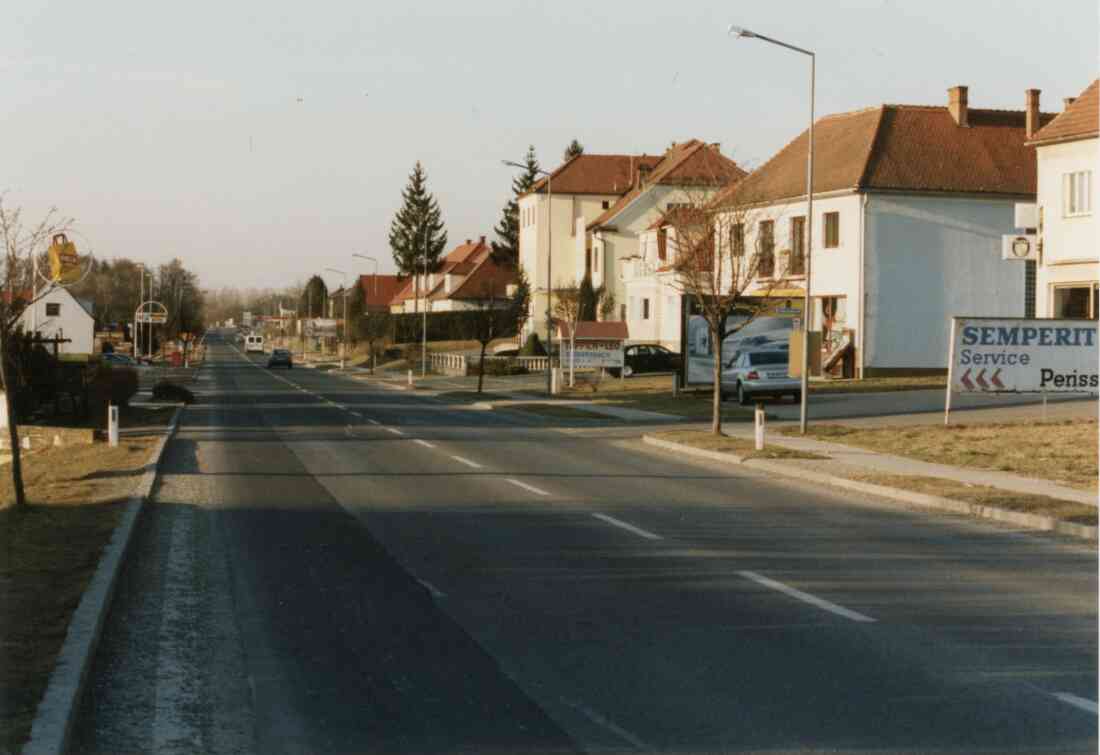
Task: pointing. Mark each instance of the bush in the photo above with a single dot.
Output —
(532, 347)
(165, 391)
(110, 385)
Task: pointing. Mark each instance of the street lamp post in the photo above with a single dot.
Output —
(807, 310)
(424, 311)
(344, 353)
(549, 278)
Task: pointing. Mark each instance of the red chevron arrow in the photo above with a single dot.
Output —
(995, 380)
(980, 380)
(965, 380)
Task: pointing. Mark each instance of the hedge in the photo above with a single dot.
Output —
(442, 326)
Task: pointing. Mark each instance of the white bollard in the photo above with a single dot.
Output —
(759, 427)
(112, 426)
(26, 443)
(410, 378)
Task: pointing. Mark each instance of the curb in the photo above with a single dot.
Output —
(53, 721)
(1018, 518)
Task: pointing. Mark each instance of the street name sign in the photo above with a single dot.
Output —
(152, 318)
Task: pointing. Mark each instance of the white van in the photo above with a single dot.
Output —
(254, 343)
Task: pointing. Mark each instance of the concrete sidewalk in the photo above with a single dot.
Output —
(871, 461)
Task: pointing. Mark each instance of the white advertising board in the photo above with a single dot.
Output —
(593, 354)
(1018, 355)
(319, 326)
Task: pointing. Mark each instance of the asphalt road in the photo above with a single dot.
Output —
(335, 566)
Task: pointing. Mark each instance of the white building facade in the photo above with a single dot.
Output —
(58, 314)
(1068, 269)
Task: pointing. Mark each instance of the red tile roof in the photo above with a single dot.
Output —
(604, 330)
(595, 174)
(690, 163)
(473, 263)
(1081, 120)
(379, 290)
(903, 148)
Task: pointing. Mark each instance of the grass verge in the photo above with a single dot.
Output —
(1064, 452)
(51, 550)
(653, 393)
(736, 446)
(879, 385)
(1066, 511)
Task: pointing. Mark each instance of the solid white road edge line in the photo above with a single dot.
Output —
(436, 593)
(611, 726)
(424, 443)
(1078, 702)
(628, 527)
(525, 486)
(467, 462)
(806, 597)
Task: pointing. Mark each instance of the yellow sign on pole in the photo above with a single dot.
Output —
(64, 261)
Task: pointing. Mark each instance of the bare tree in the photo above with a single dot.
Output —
(723, 274)
(568, 308)
(22, 241)
(497, 314)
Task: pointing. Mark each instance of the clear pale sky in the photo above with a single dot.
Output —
(175, 129)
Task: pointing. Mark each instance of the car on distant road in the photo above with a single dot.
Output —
(759, 372)
(254, 343)
(648, 357)
(280, 358)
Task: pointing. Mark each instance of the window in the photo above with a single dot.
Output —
(1075, 302)
(766, 249)
(645, 309)
(737, 239)
(662, 244)
(798, 246)
(832, 230)
(53, 310)
(606, 205)
(1077, 193)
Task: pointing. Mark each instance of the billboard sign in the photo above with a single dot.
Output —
(319, 327)
(152, 318)
(761, 321)
(1019, 355)
(595, 353)
(64, 261)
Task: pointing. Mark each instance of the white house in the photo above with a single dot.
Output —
(910, 203)
(466, 279)
(550, 214)
(1068, 271)
(59, 314)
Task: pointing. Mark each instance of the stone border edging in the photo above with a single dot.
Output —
(1018, 518)
(53, 721)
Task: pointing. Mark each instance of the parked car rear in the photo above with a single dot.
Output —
(760, 372)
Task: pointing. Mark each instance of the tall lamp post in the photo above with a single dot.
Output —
(807, 311)
(344, 353)
(549, 279)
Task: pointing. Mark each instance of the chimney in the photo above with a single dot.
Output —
(1067, 101)
(643, 174)
(469, 241)
(482, 242)
(956, 104)
(1032, 121)
(716, 146)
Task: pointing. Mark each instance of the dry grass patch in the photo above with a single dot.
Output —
(737, 446)
(51, 550)
(1066, 511)
(1064, 452)
(653, 393)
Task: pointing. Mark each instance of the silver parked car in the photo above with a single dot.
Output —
(759, 372)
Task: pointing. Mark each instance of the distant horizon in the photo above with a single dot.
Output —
(283, 148)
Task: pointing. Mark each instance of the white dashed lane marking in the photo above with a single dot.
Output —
(805, 597)
(1078, 702)
(628, 527)
(424, 443)
(467, 462)
(394, 430)
(525, 486)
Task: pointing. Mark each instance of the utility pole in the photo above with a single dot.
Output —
(424, 327)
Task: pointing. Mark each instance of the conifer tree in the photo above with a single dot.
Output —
(506, 251)
(589, 300)
(575, 148)
(417, 226)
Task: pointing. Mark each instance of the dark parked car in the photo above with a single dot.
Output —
(280, 358)
(642, 357)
